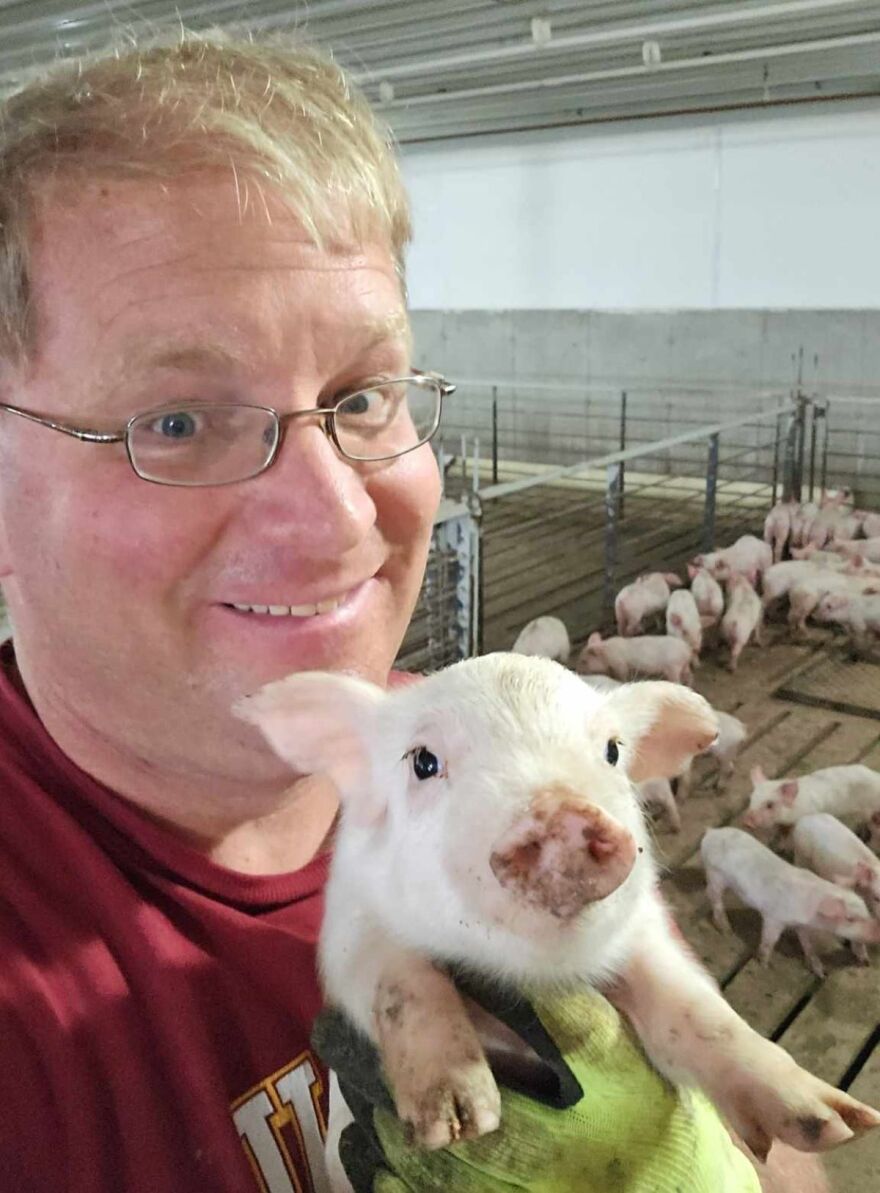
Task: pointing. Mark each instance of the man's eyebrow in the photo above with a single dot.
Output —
(182, 355)
(394, 326)
(194, 355)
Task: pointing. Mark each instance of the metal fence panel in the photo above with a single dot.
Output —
(445, 624)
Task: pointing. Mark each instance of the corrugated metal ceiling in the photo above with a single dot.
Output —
(438, 68)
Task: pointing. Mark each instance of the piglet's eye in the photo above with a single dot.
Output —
(425, 764)
(612, 752)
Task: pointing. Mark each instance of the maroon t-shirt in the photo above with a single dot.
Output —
(155, 1008)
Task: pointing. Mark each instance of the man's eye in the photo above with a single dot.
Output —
(368, 403)
(177, 424)
(356, 404)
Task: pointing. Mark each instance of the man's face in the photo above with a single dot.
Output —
(121, 590)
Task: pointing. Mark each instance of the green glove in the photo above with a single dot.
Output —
(614, 1124)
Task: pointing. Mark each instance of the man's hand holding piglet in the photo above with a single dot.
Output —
(604, 1121)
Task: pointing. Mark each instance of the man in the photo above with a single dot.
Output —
(207, 481)
(161, 876)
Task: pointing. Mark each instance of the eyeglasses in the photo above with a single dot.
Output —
(219, 443)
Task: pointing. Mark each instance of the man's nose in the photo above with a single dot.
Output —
(311, 494)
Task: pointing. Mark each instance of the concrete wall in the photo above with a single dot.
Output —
(751, 349)
(681, 370)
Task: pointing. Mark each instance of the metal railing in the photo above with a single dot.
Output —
(563, 540)
(527, 538)
(843, 434)
(558, 423)
(445, 624)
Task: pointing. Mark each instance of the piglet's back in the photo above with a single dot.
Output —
(762, 879)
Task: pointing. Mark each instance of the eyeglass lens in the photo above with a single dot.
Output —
(216, 444)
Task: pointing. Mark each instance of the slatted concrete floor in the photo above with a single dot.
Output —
(832, 1026)
(543, 548)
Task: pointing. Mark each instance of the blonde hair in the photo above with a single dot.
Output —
(273, 112)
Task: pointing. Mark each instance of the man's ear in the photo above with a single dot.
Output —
(322, 723)
(661, 726)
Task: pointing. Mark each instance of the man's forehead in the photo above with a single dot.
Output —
(138, 232)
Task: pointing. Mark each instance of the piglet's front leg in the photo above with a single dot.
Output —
(442, 1084)
(693, 1037)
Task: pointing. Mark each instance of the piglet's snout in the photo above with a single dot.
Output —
(563, 853)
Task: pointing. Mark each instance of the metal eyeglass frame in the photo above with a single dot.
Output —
(327, 413)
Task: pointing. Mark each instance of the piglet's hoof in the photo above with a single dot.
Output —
(562, 854)
(460, 1103)
(767, 1096)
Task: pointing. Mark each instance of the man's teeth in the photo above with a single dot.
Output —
(293, 610)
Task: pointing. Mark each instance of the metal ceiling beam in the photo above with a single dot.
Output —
(708, 62)
(649, 30)
(459, 66)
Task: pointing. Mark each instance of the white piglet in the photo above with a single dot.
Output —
(782, 577)
(683, 620)
(805, 595)
(545, 637)
(777, 527)
(645, 597)
(749, 555)
(859, 613)
(626, 658)
(802, 520)
(826, 846)
(488, 819)
(852, 791)
(708, 594)
(785, 895)
(868, 549)
(743, 618)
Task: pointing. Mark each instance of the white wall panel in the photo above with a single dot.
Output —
(779, 211)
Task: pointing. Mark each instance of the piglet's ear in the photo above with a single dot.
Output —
(663, 724)
(323, 723)
(831, 908)
(757, 775)
(788, 791)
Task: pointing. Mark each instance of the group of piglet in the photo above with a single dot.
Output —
(721, 601)
(826, 564)
(833, 886)
(832, 577)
